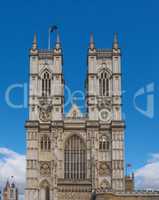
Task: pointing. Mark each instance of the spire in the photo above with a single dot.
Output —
(115, 43)
(58, 42)
(34, 46)
(91, 44)
(7, 185)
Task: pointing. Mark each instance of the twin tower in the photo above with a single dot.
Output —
(71, 154)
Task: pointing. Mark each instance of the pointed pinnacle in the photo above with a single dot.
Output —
(91, 44)
(58, 42)
(115, 43)
(58, 37)
(34, 46)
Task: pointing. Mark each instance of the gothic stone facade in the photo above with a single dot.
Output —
(69, 155)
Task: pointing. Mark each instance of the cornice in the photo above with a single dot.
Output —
(117, 124)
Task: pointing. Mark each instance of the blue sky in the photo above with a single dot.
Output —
(137, 24)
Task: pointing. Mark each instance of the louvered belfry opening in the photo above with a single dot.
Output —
(46, 84)
(75, 159)
(104, 84)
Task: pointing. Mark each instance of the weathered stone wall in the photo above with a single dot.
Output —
(74, 195)
(137, 196)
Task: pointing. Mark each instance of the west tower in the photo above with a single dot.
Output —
(46, 98)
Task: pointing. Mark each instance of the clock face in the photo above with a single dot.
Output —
(105, 115)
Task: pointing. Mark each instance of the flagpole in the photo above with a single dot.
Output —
(51, 29)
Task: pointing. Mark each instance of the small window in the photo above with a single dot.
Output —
(11, 193)
(100, 145)
(33, 58)
(104, 145)
(45, 143)
(108, 145)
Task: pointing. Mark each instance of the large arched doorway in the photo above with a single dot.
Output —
(44, 191)
(75, 158)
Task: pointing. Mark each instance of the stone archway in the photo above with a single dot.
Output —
(44, 190)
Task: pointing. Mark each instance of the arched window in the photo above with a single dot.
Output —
(44, 191)
(46, 84)
(104, 144)
(75, 159)
(104, 84)
(45, 143)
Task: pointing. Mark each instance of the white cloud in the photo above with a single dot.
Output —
(147, 177)
(21, 197)
(12, 164)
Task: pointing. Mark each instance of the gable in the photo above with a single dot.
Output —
(74, 112)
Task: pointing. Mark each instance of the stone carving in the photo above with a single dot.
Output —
(45, 169)
(104, 168)
(105, 102)
(105, 115)
(44, 184)
(74, 112)
(104, 184)
(74, 195)
(45, 109)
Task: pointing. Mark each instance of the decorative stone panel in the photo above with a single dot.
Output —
(45, 168)
(104, 168)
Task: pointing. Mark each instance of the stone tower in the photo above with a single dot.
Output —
(69, 155)
(46, 99)
(10, 192)
(104, 106)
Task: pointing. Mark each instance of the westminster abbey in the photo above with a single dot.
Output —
(71, 156)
